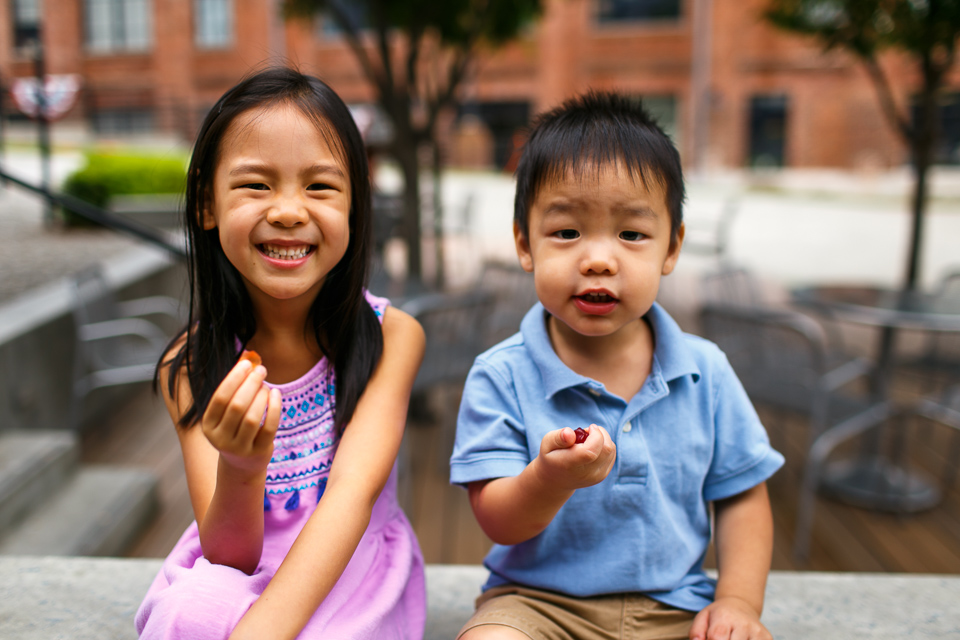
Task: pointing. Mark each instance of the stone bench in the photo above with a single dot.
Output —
(96, 598)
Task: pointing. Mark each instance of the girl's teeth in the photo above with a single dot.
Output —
(285, 253)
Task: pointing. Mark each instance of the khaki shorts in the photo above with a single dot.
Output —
(545, 615)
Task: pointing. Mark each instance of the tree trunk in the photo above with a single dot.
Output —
(922, 150)
(921, 166)
(406, 155)
(439, 253)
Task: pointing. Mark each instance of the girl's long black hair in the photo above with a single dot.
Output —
(345, 326)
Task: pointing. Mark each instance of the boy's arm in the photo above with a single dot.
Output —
(514, 509)
(744, 541)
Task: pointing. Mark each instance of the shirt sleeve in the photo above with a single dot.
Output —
(743, 457)
(491, 441)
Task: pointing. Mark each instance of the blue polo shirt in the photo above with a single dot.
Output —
(690, 436)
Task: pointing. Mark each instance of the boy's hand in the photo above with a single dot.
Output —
(565, 464)
(728, 618)
(232, 421)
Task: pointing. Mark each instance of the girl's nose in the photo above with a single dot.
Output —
(287, 212)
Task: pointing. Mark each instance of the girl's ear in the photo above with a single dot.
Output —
(207, 219)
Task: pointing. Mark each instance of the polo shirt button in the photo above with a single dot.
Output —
(595, 392)
(627, 428)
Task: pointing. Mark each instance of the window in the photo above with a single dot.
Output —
(26, 22)
(948, 146)
(213, 23)
(768, 126)
(118, 25)
(357, 13)
(122, 122)
(612, 11)
(663, 109)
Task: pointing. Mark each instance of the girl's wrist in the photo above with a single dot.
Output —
(243, 472)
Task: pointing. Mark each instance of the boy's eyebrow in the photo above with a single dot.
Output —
(570, 205)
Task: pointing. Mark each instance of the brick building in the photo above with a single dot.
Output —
(732, 90)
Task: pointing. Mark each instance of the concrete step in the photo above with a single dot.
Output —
(97, 513)
(33, 466)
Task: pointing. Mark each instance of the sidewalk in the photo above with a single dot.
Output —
(35, 254)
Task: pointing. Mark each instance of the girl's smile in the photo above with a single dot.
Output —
(284, 256)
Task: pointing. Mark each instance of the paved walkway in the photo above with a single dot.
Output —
(35, 254)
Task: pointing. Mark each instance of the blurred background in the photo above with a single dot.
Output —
(820, 141)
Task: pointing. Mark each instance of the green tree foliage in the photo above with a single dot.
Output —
(416, 53)
(924, 30)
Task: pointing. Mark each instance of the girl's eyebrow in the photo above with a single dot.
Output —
(325, 168)
(252, 167)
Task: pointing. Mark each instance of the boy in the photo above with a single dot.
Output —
(605, 538)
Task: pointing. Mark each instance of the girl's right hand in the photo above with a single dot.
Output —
(242, 418)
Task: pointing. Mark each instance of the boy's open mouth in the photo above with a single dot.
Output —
(278, 252)
(597, 298)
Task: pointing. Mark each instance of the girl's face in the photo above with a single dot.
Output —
(281, 203)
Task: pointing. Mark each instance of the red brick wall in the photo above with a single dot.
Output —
(833, 116)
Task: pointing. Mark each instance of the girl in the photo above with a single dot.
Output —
(290, 464)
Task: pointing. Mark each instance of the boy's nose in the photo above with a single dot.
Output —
(598, 257)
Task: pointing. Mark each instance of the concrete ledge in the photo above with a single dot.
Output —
(88, 598)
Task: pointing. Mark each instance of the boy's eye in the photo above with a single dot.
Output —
(568, 234)
(631, 236)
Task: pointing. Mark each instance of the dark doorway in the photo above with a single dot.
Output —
(505, 120)
(768, 127)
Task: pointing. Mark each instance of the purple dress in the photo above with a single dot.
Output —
(381, 593)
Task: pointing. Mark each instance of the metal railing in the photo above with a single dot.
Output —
(100, 216)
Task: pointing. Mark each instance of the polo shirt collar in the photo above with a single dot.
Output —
(670, 351)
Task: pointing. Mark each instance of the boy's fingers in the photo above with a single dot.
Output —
(562, 438)
(698, 630)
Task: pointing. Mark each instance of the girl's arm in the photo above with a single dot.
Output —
(744, 540)
(225, 458)
(361, 467)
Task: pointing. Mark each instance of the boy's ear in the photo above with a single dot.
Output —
(674, 252)
(523, 248)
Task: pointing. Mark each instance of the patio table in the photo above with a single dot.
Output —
(871, 479)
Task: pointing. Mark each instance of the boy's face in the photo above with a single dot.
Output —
(597, 246)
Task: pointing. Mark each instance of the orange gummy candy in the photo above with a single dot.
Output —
(252, 356)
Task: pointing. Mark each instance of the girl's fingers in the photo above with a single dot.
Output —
(271, 421)
(238, 404)
(251, 419)
(225, 391)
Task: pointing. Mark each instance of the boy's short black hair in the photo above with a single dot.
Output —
(597, 128)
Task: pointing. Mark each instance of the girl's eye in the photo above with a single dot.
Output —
(319, 186)
(631, 236)
(568, 234)
(256, 186)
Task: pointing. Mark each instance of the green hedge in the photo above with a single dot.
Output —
(111, 174)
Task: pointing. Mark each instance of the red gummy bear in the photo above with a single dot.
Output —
(581, 435)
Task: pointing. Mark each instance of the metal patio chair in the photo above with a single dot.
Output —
(116, 344)
(783, 359)
(512, 294)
